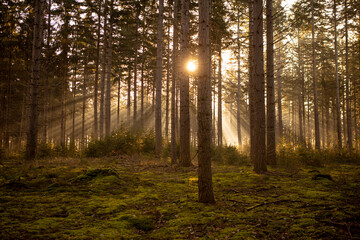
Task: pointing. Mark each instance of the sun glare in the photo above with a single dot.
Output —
(191, 66)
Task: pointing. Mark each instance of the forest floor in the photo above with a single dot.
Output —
(141, 198)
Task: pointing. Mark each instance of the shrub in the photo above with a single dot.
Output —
(229, 155)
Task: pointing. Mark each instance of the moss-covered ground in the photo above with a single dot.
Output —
(142, 198)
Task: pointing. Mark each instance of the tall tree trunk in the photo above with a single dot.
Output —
(338, 113)
(348, 106)
(167, 82)
(35, 79)
(118, 103)
(279, 95)
(103, 74)
(185, 160)
(136, 65)
(174, 82)
(72, 139)
(251, 77)
(159, 52)
(46, 84)
(258, 148)
(97, 60)
(128, 106)
(206, 194)
(316, 111)
(84, 104)
(300, 80)
(220, 99)
(238, 97)
(109, 75)
(270, 90)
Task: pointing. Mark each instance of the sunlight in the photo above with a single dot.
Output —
(191, 66)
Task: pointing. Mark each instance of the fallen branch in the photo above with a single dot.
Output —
(267, 203)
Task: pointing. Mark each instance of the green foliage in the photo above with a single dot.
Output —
(229, 155)
(93, 173)
(142, 223)
(123, 141)
(48, 150)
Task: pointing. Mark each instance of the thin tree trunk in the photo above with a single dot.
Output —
(174, 82)
(159, 52)
(316, 111)
(271, 145)
(96, 134)
(279, 96)
(185, 160)
(348, 105)
(35, 79)
(72, 140)
(109, 75)
(118, 103)
(258, 148)
(300, 80)
(84, 105)
(238, 99)
(46, 84)
(220, 99)
(206, 194)
(135, 65)
(338, 120)
(103, 75)
(167, 83)
(128, 106)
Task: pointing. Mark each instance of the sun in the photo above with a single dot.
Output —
(191, 66)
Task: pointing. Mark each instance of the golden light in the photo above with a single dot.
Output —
(191, 66)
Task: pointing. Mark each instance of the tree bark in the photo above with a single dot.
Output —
(220, 99)
(238, 97)
(96, 134)
(174, 82)
(35, 79)
(159, 52)
(270, 90)
(279, 95)
(258, 152)
(316, 111)
(185, 160)
(205, 186)
(348, 106)
(103, 75)
(338, 113)
(109, 75)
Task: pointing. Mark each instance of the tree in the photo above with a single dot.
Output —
(185, 160)
(206, 194)
(270, 90)
(338, 121)
(35, 79)
(258, 152)
(158, 136)
(174, 82)
(316, 111)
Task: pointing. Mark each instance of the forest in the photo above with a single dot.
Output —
(180, 119)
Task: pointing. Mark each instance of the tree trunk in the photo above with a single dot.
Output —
(96, 134)
(167, 82)
(270, 90)
(35, 79)
(238, 97)
(348, 106)
(279, 96)
(103, 75)
(159, 52)
(258, 148)
(109, 75)
(46, 84)
(185, 160)
(84, 105)
(338, 113)
(300, 80)
(135, 65)
(72, 139)
(174, 82)
(316, 111)
(128, 106)
(220, 99)
(206, 194)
